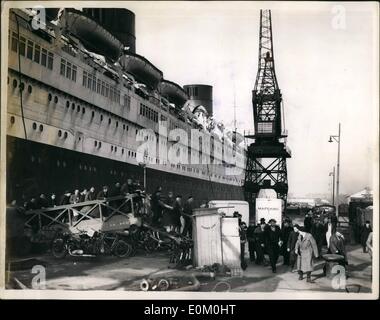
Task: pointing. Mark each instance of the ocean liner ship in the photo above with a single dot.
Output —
(78, 97)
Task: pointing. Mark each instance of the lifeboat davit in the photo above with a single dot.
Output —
(92, 35)
(173, 92)
(141, 68)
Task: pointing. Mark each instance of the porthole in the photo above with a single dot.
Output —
(101, 117)
(32, 158)
(41, 127)
(22, 86)
(58, 163)
(59, 133)
(64, 164)
(80, 167)
(50, 97)
(14, 83)
(115, 149)
(92, 114)
(123, 126)
(109, 121)
(55, 99)
(111, 148)
(85, 168)
(65, 135)
(94, 169)
(99, 144)
(117, 124)
(73, 106)
(34, 126)
(12, 119)
(78, 108)
(30, 89)
(95, 143)
(67, 104)
(83, 110)
(122, 151)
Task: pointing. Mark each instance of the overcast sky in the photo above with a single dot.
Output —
(326, 69)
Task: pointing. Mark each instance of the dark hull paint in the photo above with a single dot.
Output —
(34, 168)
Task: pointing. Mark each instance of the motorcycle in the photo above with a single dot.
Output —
(85, 245)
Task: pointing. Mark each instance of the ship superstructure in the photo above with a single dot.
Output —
(78, 97)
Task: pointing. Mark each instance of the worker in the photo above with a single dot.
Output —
(251, 240)
(366, 230)
(188, 217)
(243, 239)
(273, 243)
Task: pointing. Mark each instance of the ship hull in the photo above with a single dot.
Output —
(34, 168)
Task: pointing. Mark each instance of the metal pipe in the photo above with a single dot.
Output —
(337, 177)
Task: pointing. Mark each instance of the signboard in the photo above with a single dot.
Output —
(269, 208)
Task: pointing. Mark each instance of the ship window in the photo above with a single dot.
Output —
(83, 110)
(41, 127)
(103, 88)
(94, 83)
(68, 70)
(12, 120)
(34, 126)
(50, 61)
(95, 143)
(111, 148)
(84, 82)
(43, 57)
(89, 80)
(98, 86)
(100, 144)
(107, 89)
(63, 67)
(122, 151)
(92, 114)
(65, 135)
(74, 73)
(50, 97)
(59, 133)
(129, 153)
(22, 46)
(55, 99)
(14, 83)
(30, 89)
(22, 86)
(78, 108)
(73, 106)
(101, 117)
(14, 41)
(37, 53)
(109, 121)
(123, 126)
(29, 52)
(117, 124)
(67, 104)
(115, 149)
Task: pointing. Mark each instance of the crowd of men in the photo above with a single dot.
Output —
(299, 245)
(77, 196)
(171, 212)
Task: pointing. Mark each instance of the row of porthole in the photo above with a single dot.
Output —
(21, 85)
(78, 107)
(62, 134)
(50, 98)
(34, 126)
(84, 167)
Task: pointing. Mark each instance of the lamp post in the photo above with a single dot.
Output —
(337, 139)
(333, 186)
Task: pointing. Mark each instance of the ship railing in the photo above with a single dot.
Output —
(75, 217)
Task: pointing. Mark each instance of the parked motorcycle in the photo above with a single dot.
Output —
(84, 245)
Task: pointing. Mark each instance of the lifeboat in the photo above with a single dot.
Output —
(92, 35)
(173, 92)
(141, 68)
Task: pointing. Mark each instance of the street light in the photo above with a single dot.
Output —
(337, 139)
(333, 185)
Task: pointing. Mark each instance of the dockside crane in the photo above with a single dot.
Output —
(267, 154)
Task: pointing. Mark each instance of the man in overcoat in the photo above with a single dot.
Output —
(306, 250)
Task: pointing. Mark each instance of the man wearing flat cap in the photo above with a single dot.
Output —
(273, 243)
